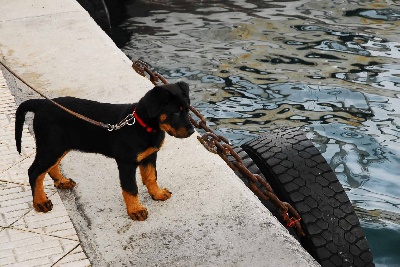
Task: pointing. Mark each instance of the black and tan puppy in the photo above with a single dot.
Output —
(162, 109)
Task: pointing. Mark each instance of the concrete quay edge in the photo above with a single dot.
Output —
(212, 219)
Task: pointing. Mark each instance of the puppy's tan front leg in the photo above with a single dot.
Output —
(134, 209)
(127, 175)
(149, 178)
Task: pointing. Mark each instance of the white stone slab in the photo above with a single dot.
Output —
(23, 248)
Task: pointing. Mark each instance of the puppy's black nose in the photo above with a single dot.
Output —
(190, 130)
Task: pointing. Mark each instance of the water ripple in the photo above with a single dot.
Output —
(330, 67)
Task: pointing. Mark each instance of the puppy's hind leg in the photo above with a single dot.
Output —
(60, 181)
(37, 172)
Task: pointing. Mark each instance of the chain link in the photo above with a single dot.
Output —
(218, 144)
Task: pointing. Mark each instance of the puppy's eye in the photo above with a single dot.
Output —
(184, 109)
(179, 111)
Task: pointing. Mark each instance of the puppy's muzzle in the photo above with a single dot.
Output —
(185, 132)
(182, 132)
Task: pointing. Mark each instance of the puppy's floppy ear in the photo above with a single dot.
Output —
(155, 100)
(184, 88)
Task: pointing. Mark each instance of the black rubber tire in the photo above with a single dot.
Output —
(300, 175)
(251, 166)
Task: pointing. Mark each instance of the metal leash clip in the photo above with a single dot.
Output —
(129, 120)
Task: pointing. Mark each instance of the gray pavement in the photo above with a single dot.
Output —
(212, 219)
(28, 238)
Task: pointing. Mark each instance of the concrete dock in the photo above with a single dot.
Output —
(212, 218)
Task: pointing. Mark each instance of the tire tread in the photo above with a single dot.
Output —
(300, 175)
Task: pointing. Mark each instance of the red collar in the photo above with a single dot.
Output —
(144, 125)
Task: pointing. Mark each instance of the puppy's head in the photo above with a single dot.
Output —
(169, 104)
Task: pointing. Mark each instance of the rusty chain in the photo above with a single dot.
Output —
(220, 145)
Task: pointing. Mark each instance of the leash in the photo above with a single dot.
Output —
(128, 120)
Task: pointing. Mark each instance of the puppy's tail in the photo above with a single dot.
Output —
(30, 105)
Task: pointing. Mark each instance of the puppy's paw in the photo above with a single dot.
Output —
(44, 206)
(139, 215)
(64, 183)
(162, 194)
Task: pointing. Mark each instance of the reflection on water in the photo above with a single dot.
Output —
(376, 14)
(330, 67)
(385, 76)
